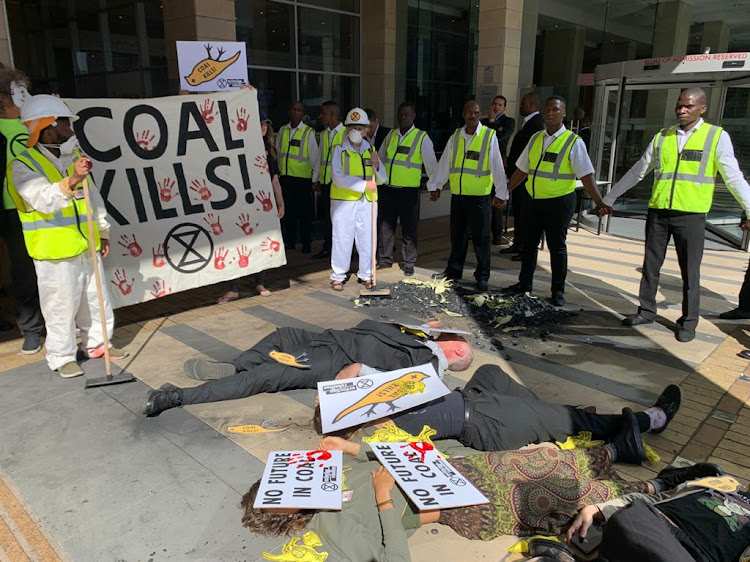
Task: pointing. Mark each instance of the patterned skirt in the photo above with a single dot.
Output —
(533, 491)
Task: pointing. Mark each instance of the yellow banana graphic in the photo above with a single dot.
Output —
(293, 551)
(387, 393)
(209, 68)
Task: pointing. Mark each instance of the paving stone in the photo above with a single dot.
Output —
(718, 423)
(697, 452)
(709, 435)
(730, 404)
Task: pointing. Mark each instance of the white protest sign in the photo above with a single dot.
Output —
(211, 66)
(186, 186)
(426, 477)
(349, 402)
(301, 479)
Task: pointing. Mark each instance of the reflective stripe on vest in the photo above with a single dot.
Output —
(470, 168)
(294, 160)
(403, 158)
(684, 180)
(326, 153)
(354, 164)
(553, 175)
(51, 236)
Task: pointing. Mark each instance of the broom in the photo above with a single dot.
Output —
(373, 291)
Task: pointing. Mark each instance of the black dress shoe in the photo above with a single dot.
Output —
(481, 286)
(166, 397)
(671, 477)
(445, 275)
(628, 443)
(745, 354)
(517, 257)
(408, 271)
(735, 314)
(558, 299)
(684, 335)
(512, 249)
(635, 320)
(517, 289)
(669, 401)
(382, 265)
(324, 253)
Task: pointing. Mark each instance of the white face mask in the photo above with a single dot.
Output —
(355, 136)
(18, 93)
(68, 147)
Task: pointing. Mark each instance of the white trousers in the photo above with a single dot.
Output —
(352, 223)
(67, 297)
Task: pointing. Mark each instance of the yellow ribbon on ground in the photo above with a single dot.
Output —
(583, 441)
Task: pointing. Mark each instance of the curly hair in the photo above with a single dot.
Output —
(7, 76)
(271, 524)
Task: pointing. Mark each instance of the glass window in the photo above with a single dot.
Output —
(343, 5)
(276, 90)
(318, 88)
(268, 30)
(328, 41)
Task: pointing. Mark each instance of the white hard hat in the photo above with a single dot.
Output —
(45, 105)
(356, 116)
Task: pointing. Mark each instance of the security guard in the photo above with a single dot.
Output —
(353, 193)
(403, 153)
(685, 159)
(45, 183)
(554, 158)
(298, 158)
(330, 138)
(471, 162)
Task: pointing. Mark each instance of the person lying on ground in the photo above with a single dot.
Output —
(678, 522)
(495, 413)
(534, 491)
(293, 358)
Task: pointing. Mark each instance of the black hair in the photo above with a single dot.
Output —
(502, 97)
(557, 98)
(371, 115)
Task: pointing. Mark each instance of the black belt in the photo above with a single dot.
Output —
(467, 412)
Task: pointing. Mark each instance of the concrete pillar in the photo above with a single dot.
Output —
(716, 36)
(196, 20)
(378, 71)
(563, 61)
(499, 53)
(5, 49)
(529, 27)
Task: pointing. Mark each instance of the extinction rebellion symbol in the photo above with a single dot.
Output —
(188, 248)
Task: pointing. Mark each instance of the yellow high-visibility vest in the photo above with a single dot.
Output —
(470, 169)
(403, 158)
(15, 134)
(51, 236)
(354, 164)
(552, 175)
(294, 158)
(684, 181)
(326, 153)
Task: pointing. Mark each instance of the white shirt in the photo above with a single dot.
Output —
(331, 133)
(726, 163)
(496, 165)
(355, 183)
(312, 149)
(39, 194)
(427, 150)
(579, 157)
(529, 116)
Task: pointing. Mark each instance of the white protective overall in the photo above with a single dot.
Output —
(67, 289)
(352, 220)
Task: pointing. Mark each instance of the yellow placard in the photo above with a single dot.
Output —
(725, 484)
(253, 428)
(287, 359)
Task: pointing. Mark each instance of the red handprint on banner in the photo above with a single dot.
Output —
(261, 162)
(144, 139)
(241, 122)
(220, 257)
(160, 289)
(265, 200)
(208, 111)
(243, 221)
(121, 281)
(269, 245)
(200, 187)
(133, 248)
(243, 256)
(166, 187)
(158, 256)
(214, 223)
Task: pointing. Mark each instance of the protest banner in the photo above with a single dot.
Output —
(211, 66)
(426, 477)
(186, 186)
(301, 479)
(349, 402)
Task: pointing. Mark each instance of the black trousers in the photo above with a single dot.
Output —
(745, 292)
(398, 204)
(504, 415)
(324, 214)
(688, 232)
(518, 198)
(496, 223)
(23, 276)
(550, 217)
(640, 533)
(298, 205)
(257, 372)
(470, 214)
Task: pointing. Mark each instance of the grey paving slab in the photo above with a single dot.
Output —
(208, 345)
(279, 318)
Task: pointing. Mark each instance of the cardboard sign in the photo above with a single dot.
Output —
(432, 331)
(350, 402)
(426, 477)
(301, 479)
(211, 66)
(186, 187)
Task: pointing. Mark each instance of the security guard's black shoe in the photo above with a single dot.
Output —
(482, 286)
(512, 249)
(324, 253)
(166, 397)
(735, 314)
(383, 265)
(684, 335)
(408, 270)
(671, 477)
(628, 443)
(517, 289)
(558, 299)
(635, 320)
(445, 275)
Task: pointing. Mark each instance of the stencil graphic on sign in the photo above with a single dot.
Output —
(187, 253)
(388, 393)
(210, 68)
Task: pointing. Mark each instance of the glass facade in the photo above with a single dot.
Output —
(297, 50)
